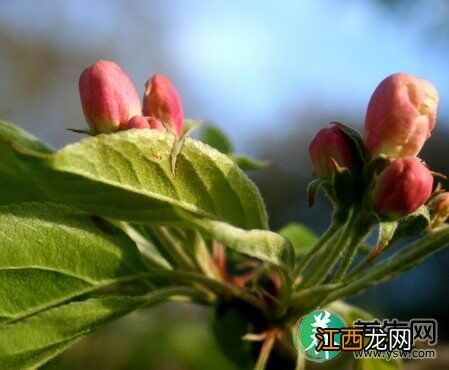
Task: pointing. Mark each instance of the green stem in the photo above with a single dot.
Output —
(362, 266)
(302, 301)
(173, 248)
(338, 222)
(358, 231)
(220, 288)
(330, 255)
(401, 261)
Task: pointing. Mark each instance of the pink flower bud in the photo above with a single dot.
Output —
(138, 122)
(161, 101)
(440, 207)
(156, 124)
(329, 147)
(108, 97)
(402, 187)
(400, 116)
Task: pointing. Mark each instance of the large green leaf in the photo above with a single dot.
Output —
(301, 237)
(16, 180)
(49, 255)
(262, 244)
(213, 136)
(128, 176)
(36, 340)
(247, 163)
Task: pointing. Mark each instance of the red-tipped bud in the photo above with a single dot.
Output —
(162, 101)
(402, 187)
(400, 116)
(440, 208)
(108, 97)
(330, 149)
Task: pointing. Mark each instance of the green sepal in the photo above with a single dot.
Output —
(387, 231)
(313, 188)
(356, 138)
(414, 223)
(345, 188)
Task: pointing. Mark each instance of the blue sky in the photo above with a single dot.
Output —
(250, 65)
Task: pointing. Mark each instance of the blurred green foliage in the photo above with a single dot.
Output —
(169, 337)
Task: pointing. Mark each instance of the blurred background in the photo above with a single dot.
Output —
(270, 74)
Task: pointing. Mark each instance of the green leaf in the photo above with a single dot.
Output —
(301, 237)
(204, 258)
(49, 255)
(249, 164)
(377, 364)
(139, 235)
(13, 175)
(387, 231)
(174, 248)
(127, 176)
(10, 133)
(262, 244)
(413, 224)
(36, 340)
(213, 136)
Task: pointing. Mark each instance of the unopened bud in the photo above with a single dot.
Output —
(400, 116)
(402, 187)
(331, 148)
(138, 122)
(162, 101)
(108, 97)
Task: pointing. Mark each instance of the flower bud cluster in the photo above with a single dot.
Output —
(111, 103)
(401, 116)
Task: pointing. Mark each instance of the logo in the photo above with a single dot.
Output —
(322, 335)
(319, 335)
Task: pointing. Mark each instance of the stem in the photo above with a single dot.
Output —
(358, 232)
(302, 301)
(338, 221)
(265, 351)
(401, 261)
(172, 248)
(362, 266)
(330, 256)
(220, 288)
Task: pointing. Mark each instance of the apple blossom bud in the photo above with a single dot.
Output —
(440, 208)
(400, 117)
(402, 187)
(162, 101)
(138, 122)
(331, 147)
(108, 97)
